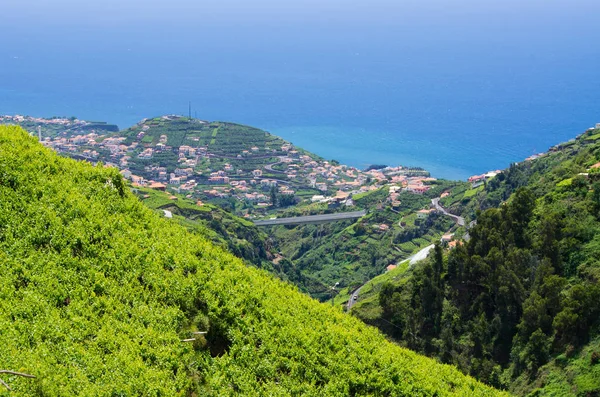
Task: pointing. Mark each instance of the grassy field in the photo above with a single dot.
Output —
(473, 192)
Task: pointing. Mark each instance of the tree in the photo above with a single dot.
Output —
(537, 351)
(273, 196)
(438, 264)
(520, 211)
(596, 199)
(457, 260)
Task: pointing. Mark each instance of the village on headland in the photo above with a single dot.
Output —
(258, 174)
(207, 161)
(214, 161)
(282, 171)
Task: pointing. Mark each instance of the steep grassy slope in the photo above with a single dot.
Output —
(236, 234)
(239, 236)
(541, 175)
(98, 291)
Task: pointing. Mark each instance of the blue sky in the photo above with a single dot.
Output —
(307, 23)
(120, 12)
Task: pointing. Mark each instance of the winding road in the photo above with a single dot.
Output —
(419, 256)
(269, 167)
(460, 221)
(422, 254)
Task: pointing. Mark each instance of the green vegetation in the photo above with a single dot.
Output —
(562, 162)
(221, 227)
(371, 198)
(239, 236)
(237, 150)
(593, 137)
(225, 139)
(98, 293)
(574, 373)
(473, 192)
(518, 306)
(367, 308)
(375, 167)
(352, 252)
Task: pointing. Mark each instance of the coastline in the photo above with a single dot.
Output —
(359, 147)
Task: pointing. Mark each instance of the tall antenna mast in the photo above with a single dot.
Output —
(39, 133)
(190, 109)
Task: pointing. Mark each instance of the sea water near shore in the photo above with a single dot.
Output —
(456, 94)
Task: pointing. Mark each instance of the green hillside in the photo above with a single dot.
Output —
(518, 305)
(352, 252)
(224, 141)
(98, 293)
(222, 137)
(237, 235)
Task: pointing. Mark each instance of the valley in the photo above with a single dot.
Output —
(508, 292)
(102, 295)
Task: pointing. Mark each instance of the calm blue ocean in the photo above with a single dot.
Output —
(458, 89)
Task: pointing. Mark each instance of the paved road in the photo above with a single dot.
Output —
(419, 256)
(279, 181)
(422, 254)
(312, 219)
(269, 167)
(459, 219)
(353, 298)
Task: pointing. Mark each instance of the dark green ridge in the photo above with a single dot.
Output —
(518, 305)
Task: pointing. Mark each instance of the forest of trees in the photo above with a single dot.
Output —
(523, 290)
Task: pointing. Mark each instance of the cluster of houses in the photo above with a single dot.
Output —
(449, 241)
(19, 119)
(478, 180)
(294, 169)
(336, 182)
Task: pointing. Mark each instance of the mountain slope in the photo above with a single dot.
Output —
(98, 293)
(239, 236)
(518, 305)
